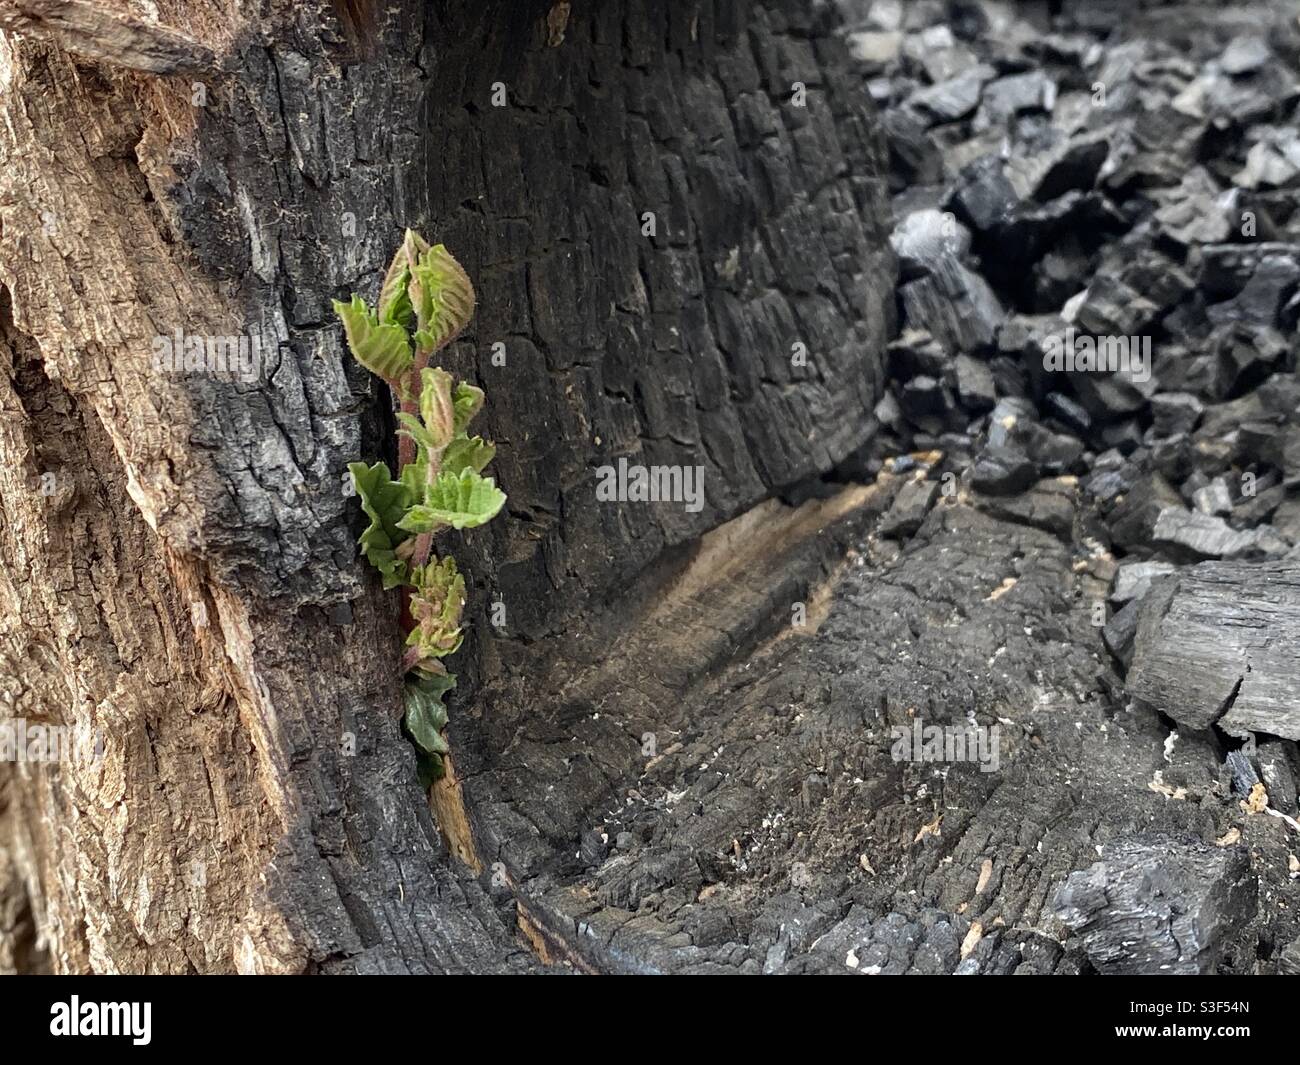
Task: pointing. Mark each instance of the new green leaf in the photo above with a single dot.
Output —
(443, 297)
(466, 452)
(383, 349)
(385, 501)
(426, 716)
(424, 720)
(437, 408)
(462, 500)
(468, 402)
(394, 301)
(436, 605)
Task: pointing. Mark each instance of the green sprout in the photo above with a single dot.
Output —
(425, 301)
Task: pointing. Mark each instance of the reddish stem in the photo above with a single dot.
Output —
(405, 456)
(406, 398)
(423, 548)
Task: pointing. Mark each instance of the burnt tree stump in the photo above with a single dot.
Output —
(179, 572)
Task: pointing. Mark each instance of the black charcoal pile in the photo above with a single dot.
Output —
(1097, 222)
(1097, 225)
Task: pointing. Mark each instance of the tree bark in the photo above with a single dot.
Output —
(180, 586)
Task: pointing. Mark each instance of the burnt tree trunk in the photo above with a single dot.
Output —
(178, 577)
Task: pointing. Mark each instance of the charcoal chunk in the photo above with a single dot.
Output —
(1132, 522)
(1218, 96)
(1157, 904)
(976, 388)
(1002, 471)
(888, 412)
(1226, 268)
(1259, 303)
(1115, 309)
(1010, 95)
(1008, 420)
(955, 304)
(1134, 579)
(1241, 772)
(1215, 643)
(1108, 485)
(1072, 165)
(1214, 498)
(954, 98)
(910, 506)
(1272, 162)
(1174, 457)
(1010, 376)
(1033, 227)
(1055, 452)
(1175, 412)
(1118, 633)
(1196, 212)
(876, 49)
(1286, 518)
(914, 157)
(984, 197)
(916, 352)
(1244, 55)
(1125, 435)
(1260, 507)
(1277, 768)
(593, 847)
(1059, 272)
(1067, 411)
(1206, 536)
(922, 395)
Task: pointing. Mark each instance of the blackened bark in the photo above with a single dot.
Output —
(677, 349)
